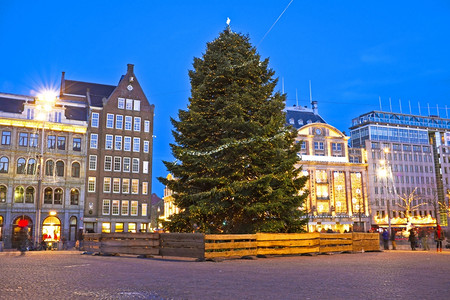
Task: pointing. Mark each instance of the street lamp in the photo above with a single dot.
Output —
(44, 105)
(385, 172)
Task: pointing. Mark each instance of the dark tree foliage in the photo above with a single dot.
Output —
(234, 169)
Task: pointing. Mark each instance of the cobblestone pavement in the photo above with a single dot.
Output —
(378, 275)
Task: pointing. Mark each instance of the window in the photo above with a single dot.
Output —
(118, 142)
(107, 184)
(110, 121)
(135, 166)
(34, 140)
(49, 167)
(76, 170)
(58, 116)
(58, 196)
(60, 168)
(76, 144)
(109, 142)
(318, 146)
(20, 169)
(106, 227)
(106, 207)
(145, 188)
(116, 185)
(108, 163)
(94, 120)
(127, 143)
(94, 140)
(145, 167)
(137, 124)
(31, 166)
(147, 146)
(137, 105)
(144, 209)
(134, 186)
(6, 137)
(4, 165)
(3, 191)
(117, 163)
(128, 121)
(125, 186)
(136, 144)
(119, 227)
(132, 227)
(48, 196)
(129, 104)
(19, 194)
(29, 195)
(336, 146)
(119, 121)
(74, 196)
(91, 184)
(23, 139)
(61, 143)
(146, 126)
(51, 142)
(121, 103)
(125, 207)
(134, 208)
(115, 207)
(93, 162)
(126, 164)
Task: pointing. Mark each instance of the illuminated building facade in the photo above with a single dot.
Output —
(337, 175)
(42, 169)
(169, 206)
(416, 151)
(119, 153)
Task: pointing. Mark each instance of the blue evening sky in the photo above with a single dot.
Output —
(352, 51)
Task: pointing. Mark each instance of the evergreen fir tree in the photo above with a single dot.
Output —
(234, 170)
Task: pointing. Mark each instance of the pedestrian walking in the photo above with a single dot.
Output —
(438, 238)
(423, 236)
(394, 243)
(23, 240)
(385, 236)
(412, 239)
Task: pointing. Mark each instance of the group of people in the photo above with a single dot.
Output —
(415, 235)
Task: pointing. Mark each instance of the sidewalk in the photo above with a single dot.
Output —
(14, 252)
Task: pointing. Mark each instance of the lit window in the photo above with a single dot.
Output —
(115, 207)
(132, 227)
(136, 144)
(119, 121)
(147, 126)
(91, 184)
(119, 227)
(128, 121)
(116, 185)
(94, 120)
(137, 124)
(129, 104)
(110, 121)
(107, 184)
(117, 163)
(92, 162)
(125, 185)
(108, 163)
(135, 166)
(118, 143)
(135, 186)
(125, 207)
(106, 227)
(137, 105)
(144, 209)
(121, 103)
(106, 207)
(144, 188)
(134, 208)
(109, 142)
(94, 140)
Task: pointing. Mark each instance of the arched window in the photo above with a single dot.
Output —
(49, 167)
(58, 196)
(31, 167)
(21, 162)
(76, 170)
(19, 194)
(74, 196)
(3, 190)
(60, 168)
(48, 195)
(4, 164)
(29, 195)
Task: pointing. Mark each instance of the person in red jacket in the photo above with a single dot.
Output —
(439, 237)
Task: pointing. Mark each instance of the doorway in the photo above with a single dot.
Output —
(19, 222)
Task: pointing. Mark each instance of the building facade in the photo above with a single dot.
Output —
(119, 153)
(415, 152)
(42, 168)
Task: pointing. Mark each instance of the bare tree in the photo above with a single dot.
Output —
(408, 203)
(439, 206)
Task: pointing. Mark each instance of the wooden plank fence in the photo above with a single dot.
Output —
(198, 245)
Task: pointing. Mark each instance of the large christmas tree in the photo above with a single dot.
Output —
(234, 169)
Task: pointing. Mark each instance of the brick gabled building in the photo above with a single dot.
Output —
(119, 153)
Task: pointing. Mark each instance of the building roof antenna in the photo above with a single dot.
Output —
(296, 97)
(310, 92)
(379, 99)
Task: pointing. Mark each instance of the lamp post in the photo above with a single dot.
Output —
(384, 172)
(44, 105)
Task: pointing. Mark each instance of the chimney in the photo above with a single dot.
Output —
(130, 68)
(314, 107)
(63, 84)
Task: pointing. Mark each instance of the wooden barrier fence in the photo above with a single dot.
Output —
(201, 246)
